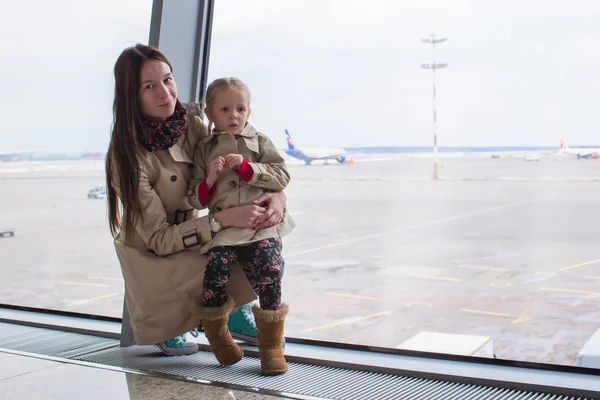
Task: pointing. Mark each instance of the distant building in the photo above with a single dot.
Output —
(93, 156)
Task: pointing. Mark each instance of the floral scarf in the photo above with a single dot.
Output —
(161, 135)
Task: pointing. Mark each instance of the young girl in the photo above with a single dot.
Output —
(233, 167)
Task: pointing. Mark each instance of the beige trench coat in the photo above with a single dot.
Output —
(269, 174)
(161, 262)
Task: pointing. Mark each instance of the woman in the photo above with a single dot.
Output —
(157, 233)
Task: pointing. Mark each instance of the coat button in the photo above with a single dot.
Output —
(173, 178)
(232, 184)
(190, 165)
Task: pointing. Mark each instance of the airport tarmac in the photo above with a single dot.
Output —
(497, 247)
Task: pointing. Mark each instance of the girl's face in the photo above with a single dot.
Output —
(229, 109)
(158, 91)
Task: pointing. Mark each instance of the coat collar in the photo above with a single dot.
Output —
(177, 151)
(247, 132)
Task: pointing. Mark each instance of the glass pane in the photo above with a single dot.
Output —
(497, 256)
(57, 113)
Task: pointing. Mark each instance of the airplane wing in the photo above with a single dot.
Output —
(327, 157)
(588, 154)
(324, 154)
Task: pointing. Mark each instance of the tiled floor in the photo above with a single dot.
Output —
(27, 378)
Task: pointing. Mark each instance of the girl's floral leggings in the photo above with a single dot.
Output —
(262, 263)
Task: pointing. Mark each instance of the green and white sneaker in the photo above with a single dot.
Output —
(177, 347)
(242, 325)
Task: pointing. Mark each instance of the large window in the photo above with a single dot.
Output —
(56, 113)
(503, 246)
(498, 253)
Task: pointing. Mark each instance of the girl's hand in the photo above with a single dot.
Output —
(214, 169)
(234, 161)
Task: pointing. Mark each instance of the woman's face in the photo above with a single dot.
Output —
(158, 91)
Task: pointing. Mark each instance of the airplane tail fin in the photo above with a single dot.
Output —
(563, 145)
(289, 140)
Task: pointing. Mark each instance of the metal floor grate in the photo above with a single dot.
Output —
(301, 381)
(50, 342)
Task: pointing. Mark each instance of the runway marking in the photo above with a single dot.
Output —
(592, 294)
(437, 278)
(349, 321)
(422, 225)
(484, 268)
(545, 273)
(500, 284)
(518, 318)
(418, 304)
(104, 278)
(106, 296)
(351, 296)
(583, 264)
(84, 284)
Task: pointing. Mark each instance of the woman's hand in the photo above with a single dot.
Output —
(240, 217)
(275, 203)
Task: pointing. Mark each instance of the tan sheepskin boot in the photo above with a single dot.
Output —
(214, 322)
(270, 339)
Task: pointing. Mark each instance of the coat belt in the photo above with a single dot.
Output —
(180, 216)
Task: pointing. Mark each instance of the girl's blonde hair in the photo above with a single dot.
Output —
(220, 84)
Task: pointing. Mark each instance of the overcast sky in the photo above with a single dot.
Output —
(335, 73)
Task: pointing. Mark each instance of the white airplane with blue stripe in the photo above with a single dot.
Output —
(310, 155)
(580, 152)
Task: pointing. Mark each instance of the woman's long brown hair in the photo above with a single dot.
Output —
(122, 158)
